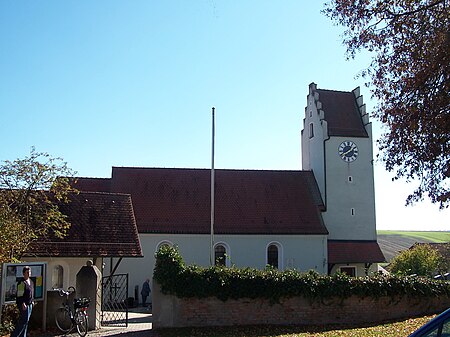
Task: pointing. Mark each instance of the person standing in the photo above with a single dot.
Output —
(24, 301)
(145, 291)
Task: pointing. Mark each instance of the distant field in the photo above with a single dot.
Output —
(425, 236)
(393, 242)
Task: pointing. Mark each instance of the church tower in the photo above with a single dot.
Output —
(337, 147)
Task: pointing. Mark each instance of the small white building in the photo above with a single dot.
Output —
(102, 228)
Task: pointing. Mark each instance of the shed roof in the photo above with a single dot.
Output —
(354, 251)
(102, 225)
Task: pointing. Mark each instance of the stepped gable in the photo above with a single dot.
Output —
(246, 201)
(342, 111)
(102, 225)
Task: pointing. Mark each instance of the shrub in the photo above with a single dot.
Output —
(422, 260)
(233, 283)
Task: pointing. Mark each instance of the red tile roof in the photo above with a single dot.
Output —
(246, 201)
(92, 184)
(347, 251)
(102, 225)
(342, 113)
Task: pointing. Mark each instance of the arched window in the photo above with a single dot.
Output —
(164, 243)
(272, 256)
(57, 276)
(220, 253)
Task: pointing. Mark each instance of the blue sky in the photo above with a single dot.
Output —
(132, 83)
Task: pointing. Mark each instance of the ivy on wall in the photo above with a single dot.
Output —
(225, 283)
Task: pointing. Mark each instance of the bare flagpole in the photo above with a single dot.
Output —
(211, 257)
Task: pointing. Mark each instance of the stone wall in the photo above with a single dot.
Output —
(170, 311)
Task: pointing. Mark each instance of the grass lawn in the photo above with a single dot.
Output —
(430, 236)
(396, 329)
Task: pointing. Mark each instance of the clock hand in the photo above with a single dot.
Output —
(348, 151)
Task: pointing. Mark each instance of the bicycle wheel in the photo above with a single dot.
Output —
(62, 319)
(81, 321)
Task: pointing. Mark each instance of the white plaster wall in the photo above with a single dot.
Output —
(300, 252)
(71, 266)
(313, 148)
(343, 195)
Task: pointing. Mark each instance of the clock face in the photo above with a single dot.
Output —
(348, 151)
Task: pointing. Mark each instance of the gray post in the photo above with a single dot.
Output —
(89, 285)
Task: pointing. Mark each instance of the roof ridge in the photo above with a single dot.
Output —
(97, 178)
(330, 90)
(101, 193)
(207, 169)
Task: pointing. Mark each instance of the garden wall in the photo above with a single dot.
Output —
(171, 311)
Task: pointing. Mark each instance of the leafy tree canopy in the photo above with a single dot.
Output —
(30, 190)
(422, 260)
(409, 77)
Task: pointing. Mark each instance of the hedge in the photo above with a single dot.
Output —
(176, 278)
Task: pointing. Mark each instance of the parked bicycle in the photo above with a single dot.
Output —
(67, 319)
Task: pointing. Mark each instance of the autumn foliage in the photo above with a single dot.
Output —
(30, 191)
(409, 77)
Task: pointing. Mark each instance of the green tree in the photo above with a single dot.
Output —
(421, 259)
(30, 191)
(410, 78)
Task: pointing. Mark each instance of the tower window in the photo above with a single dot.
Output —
(310, 113)
(350, 179)
(311, 130)
(352, 210)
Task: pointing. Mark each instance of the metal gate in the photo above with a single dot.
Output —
(114, 300)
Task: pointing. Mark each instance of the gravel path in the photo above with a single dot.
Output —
(139, 325)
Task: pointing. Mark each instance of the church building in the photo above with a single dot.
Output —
(321, 217)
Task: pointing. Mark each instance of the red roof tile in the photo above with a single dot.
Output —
(342, 113)
(246, 201)
(102, 225)
(346, 251)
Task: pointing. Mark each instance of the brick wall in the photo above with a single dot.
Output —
(170, 311)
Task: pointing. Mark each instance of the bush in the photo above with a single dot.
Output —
(233, 283)
(422, 260)
(10, 314)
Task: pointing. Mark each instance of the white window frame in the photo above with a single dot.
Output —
(227, 252)
(280, 254)
(163, 242)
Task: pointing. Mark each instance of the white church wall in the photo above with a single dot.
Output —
(350, 213)
(300, 252)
